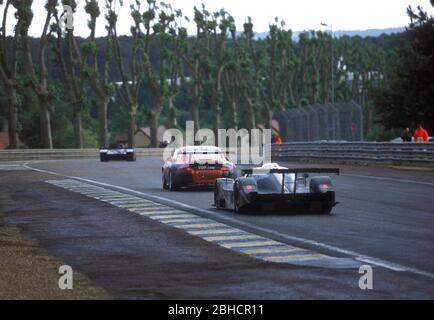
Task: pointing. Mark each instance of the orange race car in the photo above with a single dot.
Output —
(196, 166)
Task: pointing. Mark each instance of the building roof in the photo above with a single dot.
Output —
(160, 132)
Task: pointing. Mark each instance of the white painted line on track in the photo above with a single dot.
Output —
(12, 167)
(233, 242)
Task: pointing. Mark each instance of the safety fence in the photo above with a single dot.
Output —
(340, 122)
(66, 154)
(348, 152)
(357, 152)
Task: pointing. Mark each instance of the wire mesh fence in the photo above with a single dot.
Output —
(338, 122)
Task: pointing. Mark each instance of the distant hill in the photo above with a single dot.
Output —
(369, 33)
(350, 33)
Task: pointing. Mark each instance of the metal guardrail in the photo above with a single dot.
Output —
(71, 154)
(342, 152)
(357, 152)
(66, 154)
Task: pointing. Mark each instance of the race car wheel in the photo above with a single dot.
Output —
(172, 186)
(219, 203)
(216, 198)
(132, 157)
(237, 202)
(104, 158)
(165, 185)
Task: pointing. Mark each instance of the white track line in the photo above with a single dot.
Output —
(357, 256)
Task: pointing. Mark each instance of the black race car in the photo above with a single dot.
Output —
(273, 188)
(118, 154)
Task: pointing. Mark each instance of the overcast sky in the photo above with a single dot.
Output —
(298, 14)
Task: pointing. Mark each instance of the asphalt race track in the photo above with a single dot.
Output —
(385, 219)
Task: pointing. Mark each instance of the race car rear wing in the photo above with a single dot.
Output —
(116, 149)
(290, 171)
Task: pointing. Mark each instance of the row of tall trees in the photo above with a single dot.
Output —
(223, 74)
(408, 99)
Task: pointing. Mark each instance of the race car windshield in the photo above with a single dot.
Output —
(268, 183)
(201, 157)
(272, 183)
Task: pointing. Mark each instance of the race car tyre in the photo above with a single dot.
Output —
(132, 157)
(216, 198)
(103, 158)
(237, 202)
(165, 185)
(219, 203)
(172, 185)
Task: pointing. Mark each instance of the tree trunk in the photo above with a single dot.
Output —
(251, 114)
(76, 121)
(194, 115)
(195, 101)
(154, 120)
(102, 105)
(46, 138)
(233, 122)
(12, 118)
(132, 127)
(216, 117)
(292, 95)
(269, 118)
(172, 114)
(282, 101)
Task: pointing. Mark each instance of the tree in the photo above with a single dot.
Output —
(72, 72)
(231, 74)
(97, 71)
(214, 63)
(155, 23)
(39, 80)
(272, 87)
(130, 86)
(284, 69)
(8, 72)
(161, 80)
(175, 70)
(409, 99)
(250, 65)
(193, 54)
(226, 73)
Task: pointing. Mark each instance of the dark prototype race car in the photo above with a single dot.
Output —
(273, 188)
(120, 154)
(196, 167)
